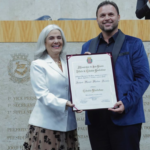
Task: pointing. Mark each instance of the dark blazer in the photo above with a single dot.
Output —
(132, 79)
(142, 10)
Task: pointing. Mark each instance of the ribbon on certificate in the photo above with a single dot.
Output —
(69, 57)
(75, 107)
(109, 54)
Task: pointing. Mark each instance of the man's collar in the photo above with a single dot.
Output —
(114, 36)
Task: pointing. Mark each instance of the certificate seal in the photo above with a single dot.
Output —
(19, 68)
(89, 60)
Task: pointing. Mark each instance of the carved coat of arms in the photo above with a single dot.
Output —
(19, 68)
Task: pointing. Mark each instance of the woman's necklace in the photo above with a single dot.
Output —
(59, 64)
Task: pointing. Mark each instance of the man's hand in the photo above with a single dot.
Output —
(119, 108)
(87, 53)
(149, 1)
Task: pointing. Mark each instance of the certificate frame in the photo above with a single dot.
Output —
(113, 98)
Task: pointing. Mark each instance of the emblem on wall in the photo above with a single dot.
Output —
(19, 68)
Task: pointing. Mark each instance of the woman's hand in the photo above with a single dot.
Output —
(69, 104)
(72, 105)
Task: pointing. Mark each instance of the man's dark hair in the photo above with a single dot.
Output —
(107, 3)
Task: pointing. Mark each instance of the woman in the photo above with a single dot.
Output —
(52, 124)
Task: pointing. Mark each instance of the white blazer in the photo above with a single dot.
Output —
(51, 88)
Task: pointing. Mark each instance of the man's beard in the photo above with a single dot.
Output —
(114, 27)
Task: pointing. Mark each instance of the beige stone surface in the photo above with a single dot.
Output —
(17, 100)
(31, 10)
(28, 9)
(145, 138)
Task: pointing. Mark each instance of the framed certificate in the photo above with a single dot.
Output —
(91, 80)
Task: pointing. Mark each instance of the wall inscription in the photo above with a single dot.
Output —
(18, 99)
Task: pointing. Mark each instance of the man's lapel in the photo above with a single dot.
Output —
(93, 45)
(116, 49)
(117, 46)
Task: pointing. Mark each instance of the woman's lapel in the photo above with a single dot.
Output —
(55, 67)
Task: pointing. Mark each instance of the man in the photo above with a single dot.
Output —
(119, 128)
(143, 9)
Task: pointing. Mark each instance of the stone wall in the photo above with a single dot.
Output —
(17, 97)
(33, 9)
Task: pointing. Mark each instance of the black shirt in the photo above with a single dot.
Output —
(105, 47)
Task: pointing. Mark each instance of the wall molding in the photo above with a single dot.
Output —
(75, 30)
